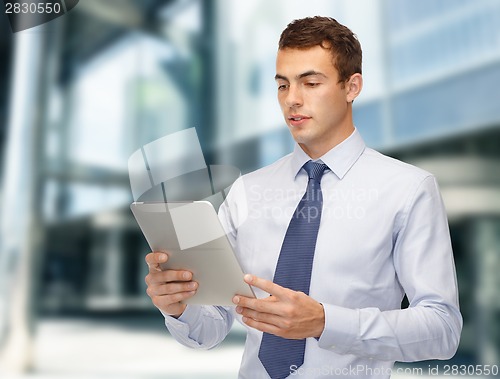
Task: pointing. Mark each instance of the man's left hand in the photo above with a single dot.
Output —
(286, 313)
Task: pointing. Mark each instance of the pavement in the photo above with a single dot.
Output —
(125, 348)
(138, 347)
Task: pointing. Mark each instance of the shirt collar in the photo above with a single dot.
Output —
(339, 159)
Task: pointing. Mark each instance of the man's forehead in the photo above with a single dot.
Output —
(294, 63)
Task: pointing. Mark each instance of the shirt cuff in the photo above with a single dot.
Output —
(341, 328)
(189, 317)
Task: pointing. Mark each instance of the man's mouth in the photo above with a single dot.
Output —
(298, 118)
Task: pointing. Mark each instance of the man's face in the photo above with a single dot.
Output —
(316, 107)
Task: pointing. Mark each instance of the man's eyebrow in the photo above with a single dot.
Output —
(280, 77)
(310, 73)
(300, 76)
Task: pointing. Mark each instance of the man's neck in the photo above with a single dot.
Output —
(320, 148)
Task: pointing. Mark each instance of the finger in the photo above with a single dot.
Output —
(155, 277)
(171, 288)
(266, 318)
(266, 285)
(165, 301)
(268, 305)
(262, 326)
(154, 260)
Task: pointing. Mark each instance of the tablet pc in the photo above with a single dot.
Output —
(192, 236)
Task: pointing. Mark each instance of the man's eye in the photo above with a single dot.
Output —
(312, 84)
(282, 87)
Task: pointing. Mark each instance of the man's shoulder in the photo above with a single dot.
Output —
(269, 172)
(392, 166)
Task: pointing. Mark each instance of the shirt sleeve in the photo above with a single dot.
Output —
(423, 259)
(200, 326)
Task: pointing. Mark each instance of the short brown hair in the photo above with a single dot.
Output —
(329, 34)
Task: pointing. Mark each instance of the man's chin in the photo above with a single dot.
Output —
(300, 135)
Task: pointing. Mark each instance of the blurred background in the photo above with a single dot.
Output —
(79, 94)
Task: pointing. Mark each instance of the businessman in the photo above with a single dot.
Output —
(332, 237)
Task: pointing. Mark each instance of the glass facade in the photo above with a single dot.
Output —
(443, 62)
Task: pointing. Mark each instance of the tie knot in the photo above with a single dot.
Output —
(315, 170)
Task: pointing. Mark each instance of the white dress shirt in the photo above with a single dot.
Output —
(383, 233)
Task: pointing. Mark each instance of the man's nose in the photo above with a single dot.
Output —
(294, 97)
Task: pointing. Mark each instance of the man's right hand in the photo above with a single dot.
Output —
(168, 288)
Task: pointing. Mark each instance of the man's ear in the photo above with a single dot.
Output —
(354, 86)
